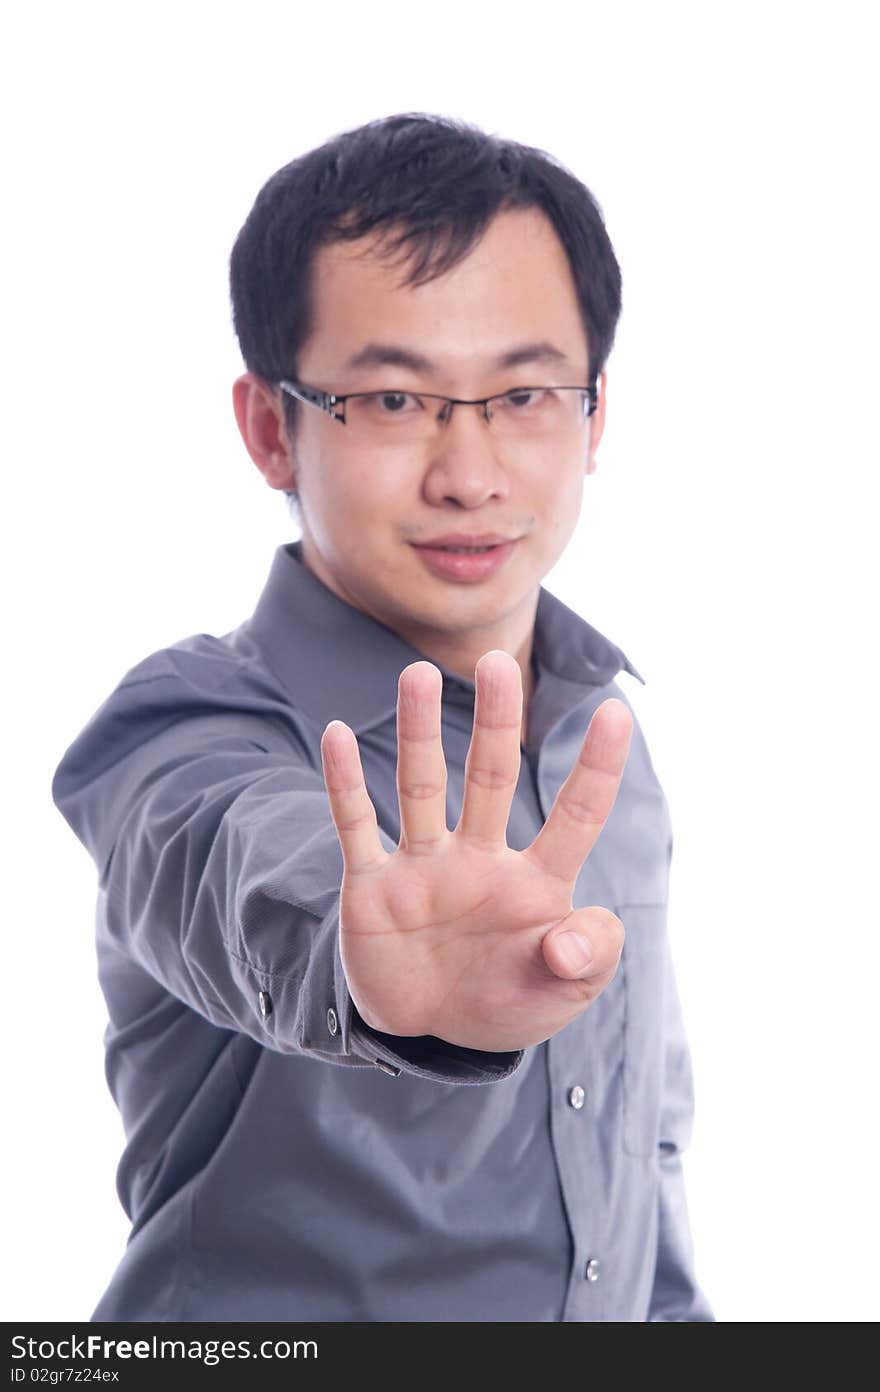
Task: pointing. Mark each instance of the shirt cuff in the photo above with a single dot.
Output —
(332, 1029)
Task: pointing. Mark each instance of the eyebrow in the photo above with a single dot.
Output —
(394, 355)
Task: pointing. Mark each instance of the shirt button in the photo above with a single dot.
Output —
(388, 1068)
(264, 1001)
(592, 1271)
(576, 1097)
(332, 1022)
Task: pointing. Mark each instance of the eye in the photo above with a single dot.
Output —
(391, 403)
(526, 398)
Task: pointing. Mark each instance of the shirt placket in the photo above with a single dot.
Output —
(571, 1063)
(573, 1085)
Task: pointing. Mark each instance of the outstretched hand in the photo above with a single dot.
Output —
(454, 934)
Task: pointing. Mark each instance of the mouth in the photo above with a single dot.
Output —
(457, 561)
(461, 550)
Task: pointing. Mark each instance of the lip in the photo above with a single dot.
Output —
(464, 539)
(452, 565)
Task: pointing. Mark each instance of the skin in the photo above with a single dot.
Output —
(453, 935)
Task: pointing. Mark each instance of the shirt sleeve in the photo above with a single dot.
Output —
(675, 1296)
(219, 870)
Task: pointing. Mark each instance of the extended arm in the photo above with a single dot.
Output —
(220, 867)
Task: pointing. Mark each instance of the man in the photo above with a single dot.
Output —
(371, 1067)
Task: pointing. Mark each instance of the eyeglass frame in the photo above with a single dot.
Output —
(328, 401)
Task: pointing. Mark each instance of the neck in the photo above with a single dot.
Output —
(460, 652)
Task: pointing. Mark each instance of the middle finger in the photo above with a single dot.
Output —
(421, 766)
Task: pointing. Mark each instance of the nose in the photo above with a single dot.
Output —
(464, 466)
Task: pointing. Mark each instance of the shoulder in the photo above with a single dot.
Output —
(202, 662)
(202, 687)
(204, 673)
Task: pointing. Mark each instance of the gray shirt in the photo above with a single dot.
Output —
(283, 1161)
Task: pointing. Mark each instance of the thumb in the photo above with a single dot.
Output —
(587, 943)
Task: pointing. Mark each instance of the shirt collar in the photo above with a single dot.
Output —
(339, 663)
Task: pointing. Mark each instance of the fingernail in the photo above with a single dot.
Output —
(575, 951)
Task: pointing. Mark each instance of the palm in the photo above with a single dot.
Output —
(450, 935)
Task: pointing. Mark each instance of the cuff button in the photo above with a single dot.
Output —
(265, 1003)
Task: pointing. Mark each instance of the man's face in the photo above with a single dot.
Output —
(366, 504)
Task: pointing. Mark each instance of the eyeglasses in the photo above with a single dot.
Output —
(522, 412)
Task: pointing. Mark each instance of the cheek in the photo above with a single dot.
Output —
(559, 488)
(366, 491)
(559, 506)
(335, 475)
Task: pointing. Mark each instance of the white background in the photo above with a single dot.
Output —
(724, 543)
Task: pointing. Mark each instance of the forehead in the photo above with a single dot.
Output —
(514, 286)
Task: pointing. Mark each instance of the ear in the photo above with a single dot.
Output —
(597, 425)
(259, 412)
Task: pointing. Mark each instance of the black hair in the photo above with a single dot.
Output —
(427, 186)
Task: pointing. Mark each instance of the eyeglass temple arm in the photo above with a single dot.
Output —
(325, 401)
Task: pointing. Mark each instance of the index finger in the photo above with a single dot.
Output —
(353, 813)
(584, 802)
